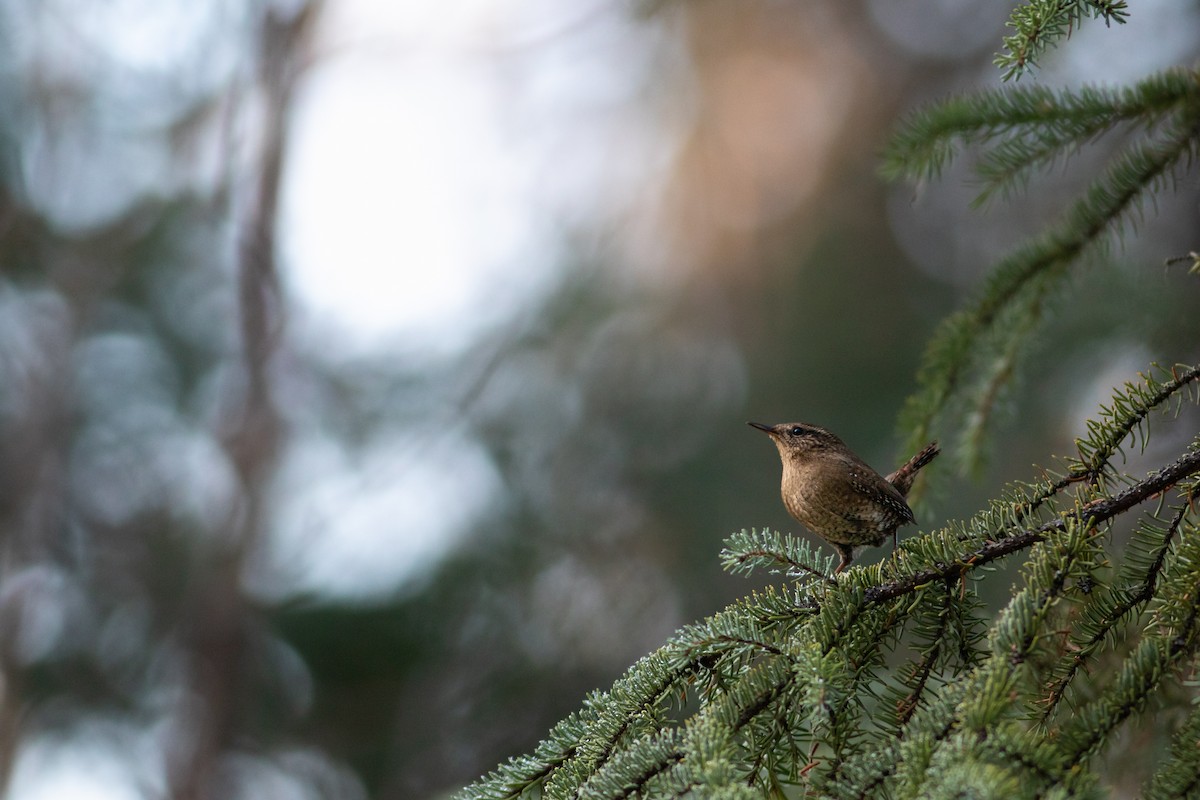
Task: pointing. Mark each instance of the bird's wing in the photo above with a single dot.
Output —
(879, 490)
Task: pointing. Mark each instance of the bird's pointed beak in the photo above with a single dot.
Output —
(761, 427)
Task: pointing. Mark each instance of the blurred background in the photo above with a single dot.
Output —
(374, 375)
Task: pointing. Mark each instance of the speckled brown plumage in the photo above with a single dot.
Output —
(835, 494)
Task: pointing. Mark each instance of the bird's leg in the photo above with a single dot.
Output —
(847, 554)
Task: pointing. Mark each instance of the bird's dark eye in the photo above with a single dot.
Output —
(797, 431)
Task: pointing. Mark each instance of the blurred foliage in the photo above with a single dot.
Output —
(974, 354)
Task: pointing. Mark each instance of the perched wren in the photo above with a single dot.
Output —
(833, 492)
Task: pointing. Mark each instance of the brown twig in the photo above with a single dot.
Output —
(217, 625)
(1094, 512)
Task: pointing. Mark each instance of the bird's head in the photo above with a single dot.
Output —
(799, 440)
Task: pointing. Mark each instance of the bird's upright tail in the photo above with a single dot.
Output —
(903, 478)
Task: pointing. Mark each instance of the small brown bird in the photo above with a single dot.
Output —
(835, 494)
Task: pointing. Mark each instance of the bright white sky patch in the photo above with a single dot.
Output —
(363, 524)
(1158, 35)
(406, 212)
(408, 221)
(95, 764)
(435, 158)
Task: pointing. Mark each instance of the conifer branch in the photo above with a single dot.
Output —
(748, 550)
(641, 689)
(907, 754)
(1024, 280)
(1116, 609)
(1090, 515)
(1040, 23)
(1034, 125)
(998, 325)
(668, 752)
(920, 678)
(1129, 409)
(594, 755)
(1180, 775)
(815, 674)
(1140, 675)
